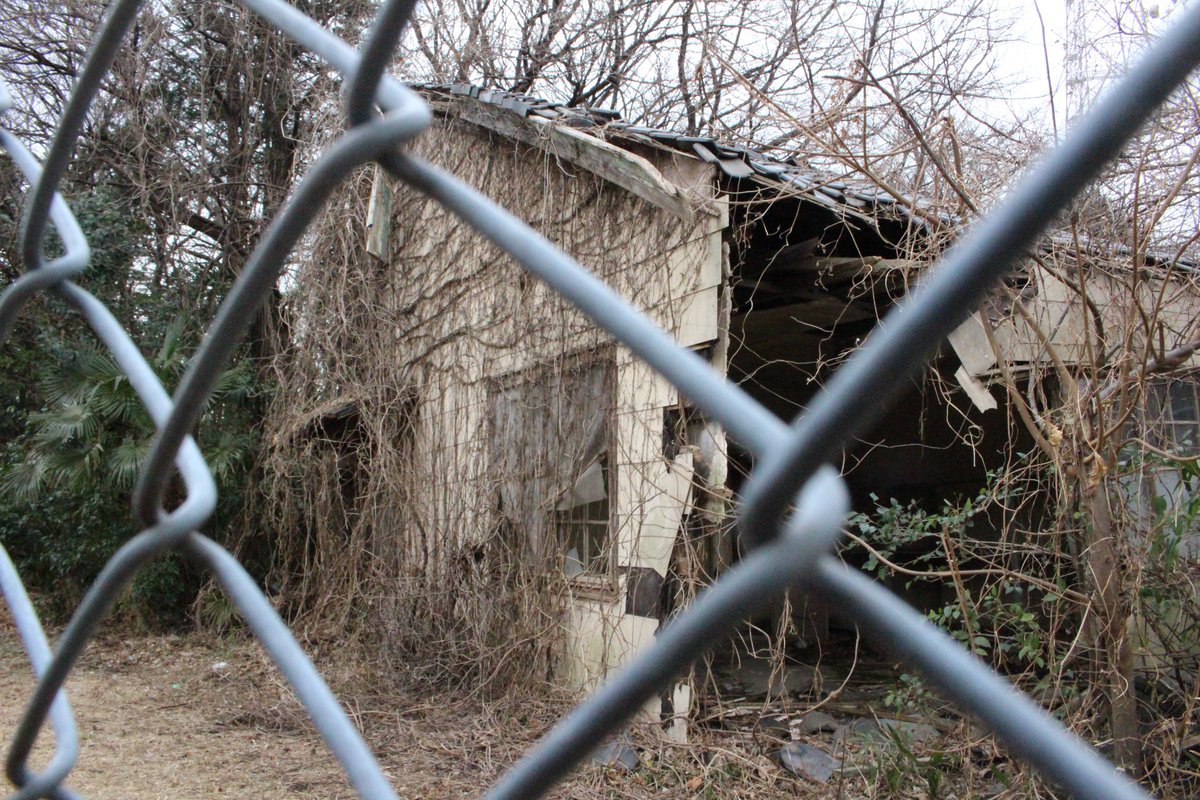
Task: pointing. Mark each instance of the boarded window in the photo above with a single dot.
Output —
(549, 431)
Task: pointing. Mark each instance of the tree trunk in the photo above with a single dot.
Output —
(1109, 628)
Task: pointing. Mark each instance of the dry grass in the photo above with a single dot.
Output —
(159, 718)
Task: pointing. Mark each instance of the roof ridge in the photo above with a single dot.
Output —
(849, 192)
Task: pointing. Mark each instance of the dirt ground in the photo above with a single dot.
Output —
(185, 717)
(167, 718)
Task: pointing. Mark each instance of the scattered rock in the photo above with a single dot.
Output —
(808, 762)
(777, 727)
(816, 722)
(616, 755)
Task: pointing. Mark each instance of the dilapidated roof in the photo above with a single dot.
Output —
(852, 194)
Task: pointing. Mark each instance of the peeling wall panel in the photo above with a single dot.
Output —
(691, 318)
(639, 387)
(1064, 318)
(653, 507)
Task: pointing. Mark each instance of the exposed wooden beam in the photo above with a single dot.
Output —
(819, 314)
(631, 172)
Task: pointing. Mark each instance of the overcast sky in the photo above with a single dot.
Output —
(1026, 58)
(1035, 57)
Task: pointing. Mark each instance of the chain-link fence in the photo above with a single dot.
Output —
(794, 547)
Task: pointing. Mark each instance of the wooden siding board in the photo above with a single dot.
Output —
(970, 344)
(379, 216)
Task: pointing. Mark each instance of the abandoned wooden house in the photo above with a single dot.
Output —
(513, 419)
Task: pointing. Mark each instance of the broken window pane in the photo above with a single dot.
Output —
(583, 520)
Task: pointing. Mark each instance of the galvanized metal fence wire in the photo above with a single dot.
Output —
(793, 508)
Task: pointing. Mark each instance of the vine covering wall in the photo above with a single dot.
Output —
(416, 386)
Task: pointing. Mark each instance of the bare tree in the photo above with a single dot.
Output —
(705, 66)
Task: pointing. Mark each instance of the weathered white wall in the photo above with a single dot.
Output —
(1059, 327)
(466, 318)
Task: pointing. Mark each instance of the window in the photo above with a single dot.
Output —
(1160, 489)
(549, 442)
(583, 520)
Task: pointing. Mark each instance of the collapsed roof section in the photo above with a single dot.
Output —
(828, 248)
(834, 258)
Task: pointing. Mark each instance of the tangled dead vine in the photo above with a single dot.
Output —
(438, 583)
(397, 520)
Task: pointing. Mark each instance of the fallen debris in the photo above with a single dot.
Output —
(814, 722)
(881, 730)
(616, 755)
(808, 761)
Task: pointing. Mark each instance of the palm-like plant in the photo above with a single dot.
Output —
(94, 434)
(73, 434)
(67, 480)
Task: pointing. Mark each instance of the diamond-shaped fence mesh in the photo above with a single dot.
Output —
(792, 506)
